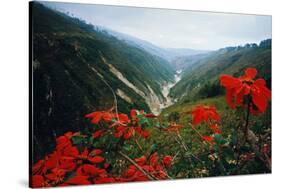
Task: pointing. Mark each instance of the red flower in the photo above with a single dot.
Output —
(204, 113)
(77, 180)
(96, 117)
(98, 134)
(123, 118)
(103, 180)
(124, 131)
(208, 138)
(39, 168)
(133, 113)
(260, 94)
(152, 167)
(144, 133)
(154, 159)
(130, 131)
(56, 175)
(93, 157)
(215, 129)
(38, 181)
(167, 161)
(90, 171)
(141, 160)
(237, 88)
(173, 127)
(64, 141)
(96, 159)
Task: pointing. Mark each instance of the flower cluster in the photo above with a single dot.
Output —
(245, 86)
(76, 159)
(79, 164)
(209, 115)
(123, 126)
(151, 167)
(67, 165)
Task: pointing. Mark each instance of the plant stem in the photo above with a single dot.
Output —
(198, 133)
(151, 177)
(185, 147)
(138, 144)
(247, 120)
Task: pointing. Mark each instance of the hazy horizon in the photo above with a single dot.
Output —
(174, 28)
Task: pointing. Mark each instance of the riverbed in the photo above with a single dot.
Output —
(166, 87)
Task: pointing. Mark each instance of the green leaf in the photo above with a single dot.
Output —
(219, 139)
(78, 139)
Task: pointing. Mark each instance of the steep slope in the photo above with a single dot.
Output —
(75, 69)
(200, 74)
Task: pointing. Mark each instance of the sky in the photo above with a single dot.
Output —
(175, 28)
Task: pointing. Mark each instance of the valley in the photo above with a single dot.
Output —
(166, 88)
(152, 103)
(81, 65)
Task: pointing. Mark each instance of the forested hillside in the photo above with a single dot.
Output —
(200, 73)
(76, 69)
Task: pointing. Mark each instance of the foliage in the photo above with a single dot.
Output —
(114, 148)
(201, 73)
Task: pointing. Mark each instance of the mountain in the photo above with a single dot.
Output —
(78, 68)
(200, 73)
(168, 54)
(183, 62)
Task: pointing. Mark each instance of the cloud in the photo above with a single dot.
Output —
(175, 28)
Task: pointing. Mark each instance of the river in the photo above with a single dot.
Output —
(166, 87)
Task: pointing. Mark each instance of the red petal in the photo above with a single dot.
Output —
(71, 151)
(129, 133)
(67, 163)
(102, 180)
(208, 138)
(98, 134)
(145, 134)
(167, 161)
(95, 116)
(62, 142)
(154, 159)
(133, 113)
(107, 116)
(37, 181)
(96, 152)
(259, 99)
(96, 159)
(52, 161)
(78, 180)
(229, 81)
(90, 170)
(197, 115)
(38, 168)
(141, 160)
(123, 118)
(260, 82)
(229, 97)
(213, 113)
(251, 72)
(105, 165)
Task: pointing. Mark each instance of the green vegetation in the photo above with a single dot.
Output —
(201, 72)
(71, 77)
